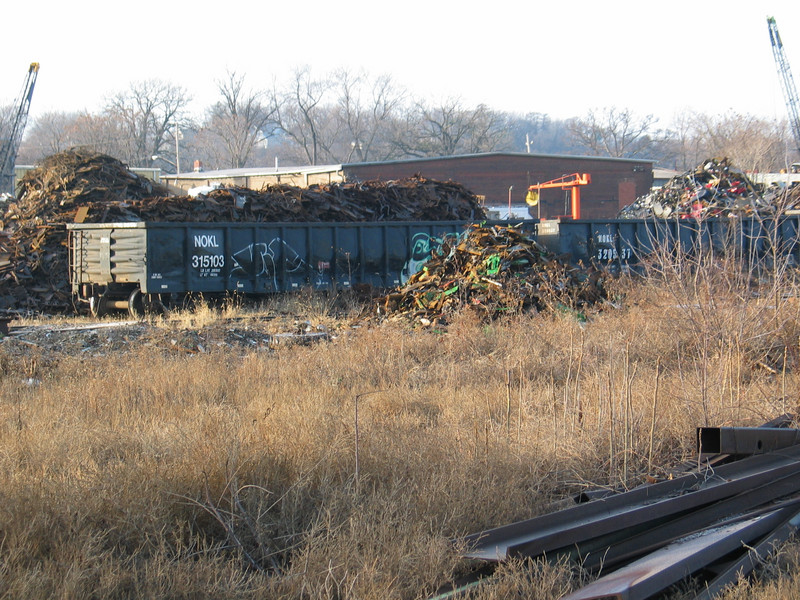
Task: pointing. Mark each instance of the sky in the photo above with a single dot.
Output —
(558, 58)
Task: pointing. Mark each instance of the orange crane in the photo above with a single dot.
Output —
(565, 182)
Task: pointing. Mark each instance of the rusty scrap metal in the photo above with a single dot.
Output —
(715, 188)
(34, 276)
(412, 199)
(493, 270)
(76, 177)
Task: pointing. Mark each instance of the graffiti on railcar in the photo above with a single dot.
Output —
(422, 247)
(261, 260)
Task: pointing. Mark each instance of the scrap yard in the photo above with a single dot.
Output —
(342, 236)
(87, 187)
(443, 349)
(356, 381)
(294, 309)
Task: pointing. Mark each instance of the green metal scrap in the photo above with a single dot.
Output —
(496, 270)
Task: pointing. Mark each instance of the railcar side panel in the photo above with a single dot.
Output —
(118, 259)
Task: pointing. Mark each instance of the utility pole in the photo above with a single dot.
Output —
(177, 151)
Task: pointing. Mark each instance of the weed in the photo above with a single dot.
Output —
(249, 474)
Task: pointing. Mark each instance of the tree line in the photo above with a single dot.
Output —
(350, 116)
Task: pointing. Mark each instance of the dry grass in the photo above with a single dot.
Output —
(230, 474)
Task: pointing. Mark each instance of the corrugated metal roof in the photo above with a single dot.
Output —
(256, 171)
(510, 154)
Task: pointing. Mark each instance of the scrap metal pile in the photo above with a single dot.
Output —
(714, 522)
(715, 188)
(77, 177)
(493, 270)
(412, 199)
(85, 186)
(33, 276)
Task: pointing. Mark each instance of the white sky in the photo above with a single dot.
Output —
(560, 58)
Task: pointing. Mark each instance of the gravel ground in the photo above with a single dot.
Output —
(180, 336)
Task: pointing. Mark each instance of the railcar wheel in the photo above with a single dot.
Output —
(136, 304)
(97, 305)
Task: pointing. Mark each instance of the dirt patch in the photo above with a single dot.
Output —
(177, 337)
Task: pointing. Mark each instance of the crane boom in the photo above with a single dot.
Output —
(565, 182)
(10, 145)
(787, 82)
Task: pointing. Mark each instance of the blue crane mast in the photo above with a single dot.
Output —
(787, 82)
(10, 145)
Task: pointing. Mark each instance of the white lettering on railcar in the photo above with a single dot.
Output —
(205, 261)
(612, 254)
(205, 241)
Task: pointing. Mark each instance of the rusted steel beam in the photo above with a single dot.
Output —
(752, 558)
(630, 511)
(611, 532)
(745, 440)
(658, 570)
(601, 553)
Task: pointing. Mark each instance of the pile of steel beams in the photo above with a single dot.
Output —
(714, 523)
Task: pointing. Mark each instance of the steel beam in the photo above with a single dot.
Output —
(745, 440)
(638, 508)
(753, 557)
(601, 554)
(658, 570)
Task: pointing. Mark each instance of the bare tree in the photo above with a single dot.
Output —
(101, 133)
(615, 132)
(50, 133)
(237, 123)
(149, 111)
(366, 109)
(449, 128)
(7, 114)
(681, 147)
(751, 143)
(55, 132)
(538, 133)
(489, 131)
(304, 117)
